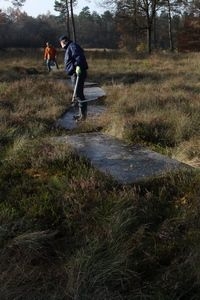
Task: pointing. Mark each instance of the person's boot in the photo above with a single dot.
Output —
(82, 115)
(83, 110)
(79, 117)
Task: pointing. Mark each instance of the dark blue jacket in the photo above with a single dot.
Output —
(74, 56)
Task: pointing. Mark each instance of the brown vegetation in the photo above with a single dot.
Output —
(69, 232)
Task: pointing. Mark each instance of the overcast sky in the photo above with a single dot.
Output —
(37, 7)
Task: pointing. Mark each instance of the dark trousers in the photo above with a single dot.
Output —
(50, 62)
(80, 91)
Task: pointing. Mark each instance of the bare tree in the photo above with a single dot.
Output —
(142, 10)
(72, 19)
(173, 7)
(170, 26)
(65, 8)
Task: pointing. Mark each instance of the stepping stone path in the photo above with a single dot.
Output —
(92, 94)
(126, 164)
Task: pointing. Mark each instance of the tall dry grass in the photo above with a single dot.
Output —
(155, 101)
(69, 232)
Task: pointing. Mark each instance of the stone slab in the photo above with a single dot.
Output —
(91, 90)
(126, 164)
(89, 84)
(86, 84)
(67, 121)
(93, 93)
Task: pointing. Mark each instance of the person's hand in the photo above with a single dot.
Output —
(78, 70)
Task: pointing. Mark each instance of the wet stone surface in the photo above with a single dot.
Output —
(91, 90)
(126, 164)
(68, 122)
(93, 95)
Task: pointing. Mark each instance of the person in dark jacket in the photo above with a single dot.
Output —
(76, 66)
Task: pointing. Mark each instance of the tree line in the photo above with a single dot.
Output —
(136, 25)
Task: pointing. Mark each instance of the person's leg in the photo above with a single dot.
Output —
(49, 65)
(55, 61)
(74, 81)
(80, 95)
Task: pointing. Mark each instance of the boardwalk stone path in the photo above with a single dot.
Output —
(93, 94)
(126, 164)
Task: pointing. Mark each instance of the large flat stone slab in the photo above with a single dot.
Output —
(67, 121)
(91, 90)
(126, 164)
(93, 93)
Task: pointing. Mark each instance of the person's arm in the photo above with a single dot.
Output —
(79, 57)
(69, 61)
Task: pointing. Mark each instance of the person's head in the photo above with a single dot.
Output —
(48, 44)
(63, 40)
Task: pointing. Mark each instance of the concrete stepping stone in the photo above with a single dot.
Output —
(89, 87)
(91, 90)
(92, 94)
(67, 121)
(126, 164)
(89, 84)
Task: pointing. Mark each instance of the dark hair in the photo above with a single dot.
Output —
(63, 37)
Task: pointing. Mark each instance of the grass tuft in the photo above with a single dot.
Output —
(68, 231)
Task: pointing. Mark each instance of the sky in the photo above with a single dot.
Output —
(38, 7)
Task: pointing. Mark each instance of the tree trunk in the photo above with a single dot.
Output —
(170, 27)
(72, 20)
(155, 32)
(67, 18)
(149, 39)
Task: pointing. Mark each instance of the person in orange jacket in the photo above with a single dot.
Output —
(50, 56)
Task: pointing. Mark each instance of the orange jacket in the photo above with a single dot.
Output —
(50, 53)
